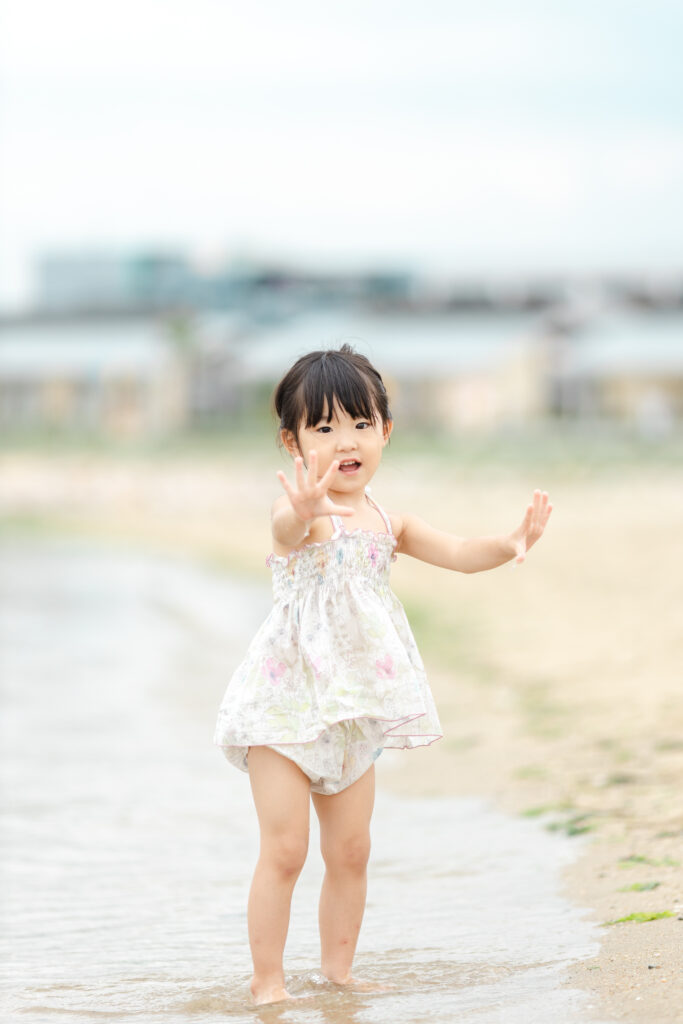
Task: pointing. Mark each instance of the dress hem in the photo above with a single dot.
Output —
(390, 733)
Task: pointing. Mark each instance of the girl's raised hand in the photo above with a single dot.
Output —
(308, 495)
(532, 526)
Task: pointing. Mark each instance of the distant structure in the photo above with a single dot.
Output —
(96, 282)
(145, 344)
(156, 280)
(620, 366)
(125, 381)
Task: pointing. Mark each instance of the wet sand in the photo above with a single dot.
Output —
(558, 682)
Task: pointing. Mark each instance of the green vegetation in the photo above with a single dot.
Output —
(536, 812)
(572, 450)
(673, 743)
(640, 917)
(634, 859)
(449, 643)
(620, 779)
(574, 825)
(640, 887)
(531, 771)
(544, 716)
(460, 743)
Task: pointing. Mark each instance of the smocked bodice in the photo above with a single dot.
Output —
(358, 555)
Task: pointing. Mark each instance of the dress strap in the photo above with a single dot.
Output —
(337, 524)
(385, 517)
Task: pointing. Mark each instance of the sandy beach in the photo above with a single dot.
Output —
(558, 682)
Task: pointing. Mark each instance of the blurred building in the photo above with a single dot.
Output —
(472, 357)
(623, 367)
(122, 379)
(469, 371)
(105, 282)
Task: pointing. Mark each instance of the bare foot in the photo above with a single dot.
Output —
(358, 984)
(340, 980)
(263, 994)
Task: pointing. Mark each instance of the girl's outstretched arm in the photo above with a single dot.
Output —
(474, 554)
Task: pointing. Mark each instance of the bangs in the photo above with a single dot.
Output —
(321, 382)
(336, 383)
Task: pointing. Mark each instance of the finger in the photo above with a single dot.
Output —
(285, 482)
(341, 510)
(299, 470)
(326, 480)
(539, 519)
(543, 511)
(528, 531)
(312, 477)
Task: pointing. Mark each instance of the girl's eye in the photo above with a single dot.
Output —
(323, 430)
(362, 425)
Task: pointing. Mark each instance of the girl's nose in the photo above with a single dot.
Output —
(346, 442)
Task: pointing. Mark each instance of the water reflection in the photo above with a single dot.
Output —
(129, 842)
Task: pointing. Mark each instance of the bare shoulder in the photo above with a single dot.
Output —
(408, 530)
(404, 523)
(397, 524)
(282, 501)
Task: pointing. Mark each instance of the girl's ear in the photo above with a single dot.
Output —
(290, 443)
(388, 427)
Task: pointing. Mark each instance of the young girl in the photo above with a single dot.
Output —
(333, 675)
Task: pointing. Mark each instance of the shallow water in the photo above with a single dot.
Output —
(128, 840)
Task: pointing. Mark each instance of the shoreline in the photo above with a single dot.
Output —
(557, 682)
(622, 985)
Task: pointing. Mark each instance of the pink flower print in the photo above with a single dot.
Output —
(317, 666)
(274, 671)
(373, 553)
(385, 669)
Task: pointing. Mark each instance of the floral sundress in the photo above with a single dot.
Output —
(333, 676)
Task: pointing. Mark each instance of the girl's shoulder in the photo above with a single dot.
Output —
(397, 524)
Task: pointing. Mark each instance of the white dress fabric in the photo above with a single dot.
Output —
(333, 675)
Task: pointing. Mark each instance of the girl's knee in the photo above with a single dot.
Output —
(349, 855)
(286, 853)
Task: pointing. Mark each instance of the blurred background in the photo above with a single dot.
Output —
(486, 199)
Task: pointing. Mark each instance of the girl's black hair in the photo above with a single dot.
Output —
(320, 380)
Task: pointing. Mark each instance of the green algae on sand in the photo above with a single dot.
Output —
(640, 917)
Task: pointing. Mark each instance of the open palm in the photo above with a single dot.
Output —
(308, 494)
(532, 526)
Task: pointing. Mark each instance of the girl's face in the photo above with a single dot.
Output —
(356, 443)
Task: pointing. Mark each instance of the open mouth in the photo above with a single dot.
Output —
(349, 466)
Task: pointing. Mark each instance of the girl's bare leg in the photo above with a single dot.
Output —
(282, 797)
(345, 844)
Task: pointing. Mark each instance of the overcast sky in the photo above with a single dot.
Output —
(447, 136)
